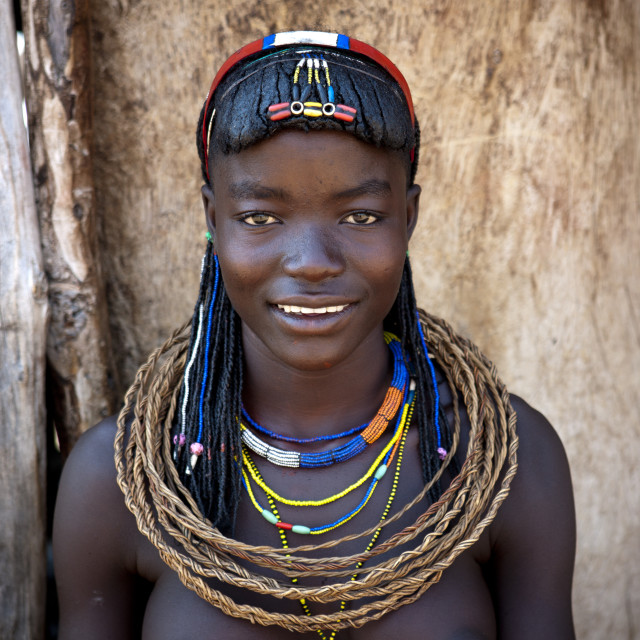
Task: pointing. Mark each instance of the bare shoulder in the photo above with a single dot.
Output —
(88, 484)
(543, 480)
(94, 542)
(533, 536)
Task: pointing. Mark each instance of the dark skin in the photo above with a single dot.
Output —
(318, 220)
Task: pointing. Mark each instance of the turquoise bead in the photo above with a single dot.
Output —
(301, 529)
(267, 515)
(380, 471)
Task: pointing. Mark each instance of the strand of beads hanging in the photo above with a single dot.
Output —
(324, 94)
(356, 445)
(442, 452)
(196, 448)
(303, 529)
(394, 489)
(179, 440)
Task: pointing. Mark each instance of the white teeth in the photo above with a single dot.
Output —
(310, 310)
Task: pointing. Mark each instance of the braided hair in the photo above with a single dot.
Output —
(236, 117)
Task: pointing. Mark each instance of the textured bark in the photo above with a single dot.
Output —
(80, 375)
(23, 310)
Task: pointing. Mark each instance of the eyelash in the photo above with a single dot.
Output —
(373, 218)
(247, 219)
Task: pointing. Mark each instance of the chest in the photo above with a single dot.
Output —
(458, 607)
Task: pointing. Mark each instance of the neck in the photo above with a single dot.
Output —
(307, 403)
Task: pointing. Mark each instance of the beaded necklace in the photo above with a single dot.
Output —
(394, 487)
(356, 445)
(375, 468)
(388, 453)
(279, 436)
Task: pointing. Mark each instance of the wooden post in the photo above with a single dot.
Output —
(81, 381)
(23, 311)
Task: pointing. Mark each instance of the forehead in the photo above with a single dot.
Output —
(312, 157)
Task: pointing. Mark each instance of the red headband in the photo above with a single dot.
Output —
(316, 38)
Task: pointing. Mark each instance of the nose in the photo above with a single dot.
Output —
(313, 254)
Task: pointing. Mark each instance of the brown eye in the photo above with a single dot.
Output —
(361, 218)
(259, 219)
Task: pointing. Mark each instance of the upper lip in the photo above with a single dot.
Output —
(313, 303)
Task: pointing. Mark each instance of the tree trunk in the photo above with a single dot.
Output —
(23, 314)
(58, 78)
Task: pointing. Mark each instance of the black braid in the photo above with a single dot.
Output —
(402, 320)
(215, 482)
(240, 106)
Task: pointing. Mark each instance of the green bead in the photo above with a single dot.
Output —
(208, 236)
(381, 470)
(269, 517)
(301, 529)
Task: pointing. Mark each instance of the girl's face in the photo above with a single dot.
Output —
(311, 231)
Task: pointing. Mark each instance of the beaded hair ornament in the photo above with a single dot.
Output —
(311, 78)
(318, 79)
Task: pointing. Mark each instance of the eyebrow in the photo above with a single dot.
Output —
(372, 187)
(248, 189)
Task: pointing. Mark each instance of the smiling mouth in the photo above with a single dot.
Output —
(308, 311)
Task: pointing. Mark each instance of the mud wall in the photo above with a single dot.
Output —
(530, 228)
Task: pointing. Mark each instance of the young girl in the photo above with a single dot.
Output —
(312, 454)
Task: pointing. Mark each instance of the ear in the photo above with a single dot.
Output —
(413, 206)
(208, 200)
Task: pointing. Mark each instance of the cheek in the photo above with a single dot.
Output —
(243, 265)
(241, 280)
(383, 270)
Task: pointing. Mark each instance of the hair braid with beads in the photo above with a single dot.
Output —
(213, 382)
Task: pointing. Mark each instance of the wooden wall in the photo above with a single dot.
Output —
(530, 230)
(23, 313)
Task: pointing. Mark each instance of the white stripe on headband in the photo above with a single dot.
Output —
(308, 37)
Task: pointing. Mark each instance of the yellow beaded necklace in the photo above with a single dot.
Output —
(387, 455)
(374, 538)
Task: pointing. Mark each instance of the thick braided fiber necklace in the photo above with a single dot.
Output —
(164, 508)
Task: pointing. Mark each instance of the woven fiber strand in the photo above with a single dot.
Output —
(164, 509)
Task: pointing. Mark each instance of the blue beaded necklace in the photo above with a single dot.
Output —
(279, 436)
(369, 432)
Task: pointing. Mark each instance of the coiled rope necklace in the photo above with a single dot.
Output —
(164, 508)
